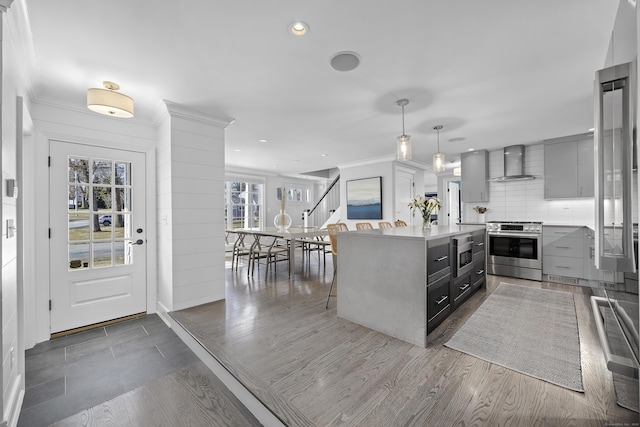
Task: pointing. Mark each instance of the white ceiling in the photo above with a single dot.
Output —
(493, 72)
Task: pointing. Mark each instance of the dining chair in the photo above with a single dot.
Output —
(364, 226)
(400, 223)
(333, 230)
(272, 249)
(240, 249)
(385, 224)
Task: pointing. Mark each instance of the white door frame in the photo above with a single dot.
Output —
(40, 268)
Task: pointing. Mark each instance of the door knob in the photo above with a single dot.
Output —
(137, 242)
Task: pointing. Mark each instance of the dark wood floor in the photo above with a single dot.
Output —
(313, 368)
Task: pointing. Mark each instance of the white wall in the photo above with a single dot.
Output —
(293, 208)
(12, 372)
(368, 170)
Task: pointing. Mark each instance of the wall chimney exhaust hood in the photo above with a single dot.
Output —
(514, 165)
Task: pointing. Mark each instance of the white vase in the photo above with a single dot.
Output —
(481, 218)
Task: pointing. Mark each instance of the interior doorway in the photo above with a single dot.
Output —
(454, 214)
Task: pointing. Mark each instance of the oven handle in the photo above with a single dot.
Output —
(535, 235)
(618, 364)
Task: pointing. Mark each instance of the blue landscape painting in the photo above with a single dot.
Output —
(364, 198)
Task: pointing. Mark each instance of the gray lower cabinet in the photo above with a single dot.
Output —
(475, 176)
(568, 257)
(563, 254)
(568, 167)
(438, 302)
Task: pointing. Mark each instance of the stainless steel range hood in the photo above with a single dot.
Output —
(514, 165)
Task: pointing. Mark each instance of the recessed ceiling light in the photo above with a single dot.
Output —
(471, 149)
(457, 139)
(323, 155)
(262, 140)
(296, 161)
(592, 129)
(237, 150)
(345, 61)
(298, 28)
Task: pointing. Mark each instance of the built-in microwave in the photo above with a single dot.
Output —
(463, 252)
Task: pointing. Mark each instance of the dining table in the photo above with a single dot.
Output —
(292, 235)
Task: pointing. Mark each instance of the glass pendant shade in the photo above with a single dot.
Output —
(438, 162)
(438, 158)
(403, 147)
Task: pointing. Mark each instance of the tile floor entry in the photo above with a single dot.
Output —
(70, 374)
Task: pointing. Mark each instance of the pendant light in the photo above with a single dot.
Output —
(403, 142)
(109, 102)
(438, 158)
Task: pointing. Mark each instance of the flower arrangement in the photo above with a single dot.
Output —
(426, 207)
(480, 209)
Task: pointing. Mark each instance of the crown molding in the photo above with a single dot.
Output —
(179, 110)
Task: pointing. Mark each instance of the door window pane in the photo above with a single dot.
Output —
(99, 237)
(123, 173)
(78, 256)
(102, 255)
(78, 170)
(101, 172)
(102, 198)
(79, 226)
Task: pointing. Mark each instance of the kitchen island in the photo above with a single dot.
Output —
(404, 281)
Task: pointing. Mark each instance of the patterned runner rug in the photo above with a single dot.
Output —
(528, 330)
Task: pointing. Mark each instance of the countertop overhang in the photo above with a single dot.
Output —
(416, 231)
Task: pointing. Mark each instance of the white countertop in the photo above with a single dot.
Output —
(416, 231)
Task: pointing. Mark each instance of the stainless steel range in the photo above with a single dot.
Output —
(515, 249)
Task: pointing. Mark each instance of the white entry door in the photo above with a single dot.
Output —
(97, 234)
(404, 193)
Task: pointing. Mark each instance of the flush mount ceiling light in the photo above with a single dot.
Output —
(403, 142)
(110, 102)
(438, 158)
(298, 28)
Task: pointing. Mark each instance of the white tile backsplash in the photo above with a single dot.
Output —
(524, 200)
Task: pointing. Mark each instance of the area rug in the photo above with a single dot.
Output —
(528, 330)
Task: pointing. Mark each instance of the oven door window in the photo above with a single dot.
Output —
(514, 247)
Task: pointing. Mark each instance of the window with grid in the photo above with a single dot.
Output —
(242, 207)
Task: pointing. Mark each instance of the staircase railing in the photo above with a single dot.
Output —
(326, 204)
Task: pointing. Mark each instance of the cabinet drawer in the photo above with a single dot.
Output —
(438, 258)
(478, 272)
(550, 234)
(460, 289)
(565, 247)
(563, 266)
(438, 302)
(478, 243)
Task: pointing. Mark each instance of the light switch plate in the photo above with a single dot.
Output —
(11, 229)
(12, 188)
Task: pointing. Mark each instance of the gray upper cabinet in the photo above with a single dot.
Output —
(475, 176)
(568, 167)
(585, 167)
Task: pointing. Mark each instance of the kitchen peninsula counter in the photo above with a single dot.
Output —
(401, 281)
